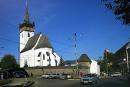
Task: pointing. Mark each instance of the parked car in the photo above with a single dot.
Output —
(50, 76)
(89, 78)
(45, 76)
(53, 76)
(65, 76)
(115, 74)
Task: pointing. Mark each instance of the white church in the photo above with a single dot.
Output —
(35, 49)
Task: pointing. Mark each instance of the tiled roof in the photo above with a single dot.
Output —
(84, 58)
(42, 42)
(31, 42)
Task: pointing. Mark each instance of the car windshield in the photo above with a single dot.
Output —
(90, 75)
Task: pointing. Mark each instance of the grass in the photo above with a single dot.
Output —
(3, 82)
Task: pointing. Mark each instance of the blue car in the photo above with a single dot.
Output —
(89, 78)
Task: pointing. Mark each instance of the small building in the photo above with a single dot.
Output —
(85, 61)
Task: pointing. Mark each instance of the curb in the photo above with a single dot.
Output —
(73, 79)
(28, 84)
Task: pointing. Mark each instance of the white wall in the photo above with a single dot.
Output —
(27, 56)
(33, 60)
(24, 38)
(45, 62)
(94, 67)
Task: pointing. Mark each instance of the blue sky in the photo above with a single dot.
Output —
(96, 27)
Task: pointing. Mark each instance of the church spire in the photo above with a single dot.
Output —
(27, 23)
(26, 18)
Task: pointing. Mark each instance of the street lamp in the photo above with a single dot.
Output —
(127, 58)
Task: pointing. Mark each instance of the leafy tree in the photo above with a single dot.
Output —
(61, 62)
(121, 9)
(8, 62)
(109, 62)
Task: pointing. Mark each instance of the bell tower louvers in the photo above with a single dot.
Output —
(26, 29)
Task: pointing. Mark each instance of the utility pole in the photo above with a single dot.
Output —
(75, 53)
(127, 58)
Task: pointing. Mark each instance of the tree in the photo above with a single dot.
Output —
(108, 64)
(121, 9)
(8, 62)
(61, 62)
(26, 64)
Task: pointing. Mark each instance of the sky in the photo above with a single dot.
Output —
(96, 27)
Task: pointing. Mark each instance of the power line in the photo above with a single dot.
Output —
(5, 39)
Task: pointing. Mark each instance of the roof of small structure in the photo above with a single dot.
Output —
(84, 58)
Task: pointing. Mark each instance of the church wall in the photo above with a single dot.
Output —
(27, 57)
(33, 58)
(43, 58)
(57, 57)
(24, 37)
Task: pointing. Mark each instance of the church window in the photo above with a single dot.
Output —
(28, 34)
(39, 54)
(47, 53)
(49, 59)
(43, 57)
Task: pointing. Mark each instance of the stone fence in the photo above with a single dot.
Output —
(38, 71)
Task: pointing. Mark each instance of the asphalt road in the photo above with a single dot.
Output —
(109, 82)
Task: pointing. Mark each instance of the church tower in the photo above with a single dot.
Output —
(26, 29)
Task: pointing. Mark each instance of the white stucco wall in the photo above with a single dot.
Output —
(94, 67)
(45, 62)
(33, 60)
(24, 38)
(27, 56)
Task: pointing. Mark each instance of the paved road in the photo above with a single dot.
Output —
(111, 82)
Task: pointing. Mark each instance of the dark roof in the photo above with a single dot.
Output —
(42, 43)
(121, 53)
(84, 58)
(31, 42)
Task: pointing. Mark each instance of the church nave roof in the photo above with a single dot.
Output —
(37, 41)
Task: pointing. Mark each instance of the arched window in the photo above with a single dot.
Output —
(39, 54)
(47, 53)
(43, 57)
(28, 34)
